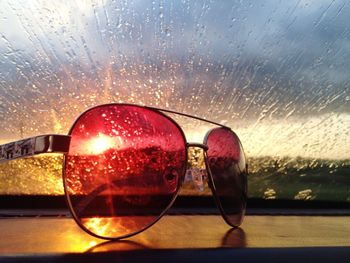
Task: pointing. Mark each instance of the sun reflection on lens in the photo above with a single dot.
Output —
(102, 143)
(99, 144)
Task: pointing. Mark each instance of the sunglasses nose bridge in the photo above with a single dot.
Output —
(196, 173)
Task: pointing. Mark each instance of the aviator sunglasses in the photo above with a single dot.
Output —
(124, 165)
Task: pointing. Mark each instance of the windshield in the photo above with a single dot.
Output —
(275, 72)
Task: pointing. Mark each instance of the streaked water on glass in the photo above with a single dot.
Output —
(275, 71)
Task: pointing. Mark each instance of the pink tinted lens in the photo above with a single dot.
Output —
(227, 165)
(123, 169)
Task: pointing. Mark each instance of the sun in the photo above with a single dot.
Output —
(99, 144)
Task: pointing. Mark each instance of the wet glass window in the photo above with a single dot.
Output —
(277, 72)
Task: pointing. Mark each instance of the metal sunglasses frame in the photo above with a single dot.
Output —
(58, 143)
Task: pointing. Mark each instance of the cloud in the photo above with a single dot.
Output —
(229, 60)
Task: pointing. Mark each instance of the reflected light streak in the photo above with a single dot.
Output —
(79, 241)
(101, 226)
(107, 226)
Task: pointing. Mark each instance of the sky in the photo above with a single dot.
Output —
(277, 72)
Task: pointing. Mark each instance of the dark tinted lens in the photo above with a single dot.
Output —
(227, 164)
(123, 169)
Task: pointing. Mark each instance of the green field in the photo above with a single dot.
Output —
(299, 178)
(269, 178)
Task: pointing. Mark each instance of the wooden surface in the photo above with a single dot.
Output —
(62, 235)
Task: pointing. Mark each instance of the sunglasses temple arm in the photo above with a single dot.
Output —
(49, 143)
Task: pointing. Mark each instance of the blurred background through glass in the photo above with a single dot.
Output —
(276, 72)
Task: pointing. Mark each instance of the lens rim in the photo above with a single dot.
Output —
(179, 183)
(211, 178)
